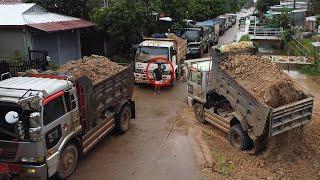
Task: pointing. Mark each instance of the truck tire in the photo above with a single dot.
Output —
(199, 112)
(68, 161)
(238, 138)
(123, 120)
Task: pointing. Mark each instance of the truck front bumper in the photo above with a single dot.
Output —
(142, 78)
(23, 171)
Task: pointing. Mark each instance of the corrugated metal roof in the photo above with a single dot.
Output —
(12, 14)
(157, 43)
(50, 86)
(34, 18)
(30, 14)
(60, 26)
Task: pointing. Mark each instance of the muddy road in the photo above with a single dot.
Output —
(158, 145)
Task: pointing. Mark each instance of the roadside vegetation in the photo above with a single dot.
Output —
(127, 21)
(245, 38)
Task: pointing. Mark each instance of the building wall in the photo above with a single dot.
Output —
(61, 46)
(12, 43)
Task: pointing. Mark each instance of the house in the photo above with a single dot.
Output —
(311, 24)
(25, 26)
(297, 10)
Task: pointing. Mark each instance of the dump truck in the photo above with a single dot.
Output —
(218, 98)
(214, 29)
(49, 120)
(165, 49)
(221, 22)
(197, 38)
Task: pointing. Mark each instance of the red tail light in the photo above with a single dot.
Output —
(14, 168)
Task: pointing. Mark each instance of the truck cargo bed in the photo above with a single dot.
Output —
(98, 101)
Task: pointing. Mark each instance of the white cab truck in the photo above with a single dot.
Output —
(48, 121)
(220, 100)
(159, 50)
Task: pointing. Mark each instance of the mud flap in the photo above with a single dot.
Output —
(133, 109)
(259, 145)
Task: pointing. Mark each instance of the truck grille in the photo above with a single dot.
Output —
(8, 150)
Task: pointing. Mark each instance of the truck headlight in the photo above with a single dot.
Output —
(34, 119)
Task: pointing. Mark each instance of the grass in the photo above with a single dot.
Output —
(291, 49)
(306, 69)
(222, 166)
(311, 70)
(245, 38)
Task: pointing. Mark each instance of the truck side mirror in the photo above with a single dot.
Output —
(174, 52)
(12, 117)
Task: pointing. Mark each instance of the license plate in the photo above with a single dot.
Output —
(3, 168)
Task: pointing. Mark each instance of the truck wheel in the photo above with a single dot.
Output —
(238, 138)
(68, 161)
(123, 120)
(199, 112)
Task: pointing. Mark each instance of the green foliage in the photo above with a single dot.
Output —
(312, 70)
(222, 166)
(124, 21)
(292, 50)
(75, 8)
(282, 20)
(245, 38)
(262, 5)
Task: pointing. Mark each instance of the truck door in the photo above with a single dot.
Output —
(57, 124)
(195, 83)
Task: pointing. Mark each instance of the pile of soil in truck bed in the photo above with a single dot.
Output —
(264, 80)
(182, 46)
(97, 68)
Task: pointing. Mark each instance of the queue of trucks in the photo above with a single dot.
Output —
(49, 121)
(199, 38)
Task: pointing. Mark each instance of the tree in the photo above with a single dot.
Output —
(282, 20)
(75, 8)
(124, 22)
(262, 5)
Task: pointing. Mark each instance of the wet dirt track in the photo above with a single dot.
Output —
(158, 145)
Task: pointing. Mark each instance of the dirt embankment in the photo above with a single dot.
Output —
(263, 79)
(95, 67)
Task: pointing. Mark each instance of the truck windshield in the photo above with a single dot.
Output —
(190, 35)
(148, 53)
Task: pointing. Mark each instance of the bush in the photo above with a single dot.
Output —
(245, 38)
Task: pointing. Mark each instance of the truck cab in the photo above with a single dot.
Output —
(48, 121)
(197, 38)
(198, 79)
(38, 115)
(147, 51)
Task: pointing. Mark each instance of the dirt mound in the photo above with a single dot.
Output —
(263, 79)
(95, 67)
(182, 46)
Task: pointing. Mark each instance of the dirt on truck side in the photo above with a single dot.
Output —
(263, 79)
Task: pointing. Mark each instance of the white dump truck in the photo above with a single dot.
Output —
(169, 50)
